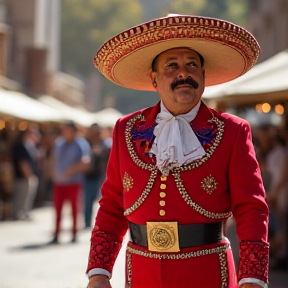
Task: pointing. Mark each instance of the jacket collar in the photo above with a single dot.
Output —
(204, 114)
(142, 131)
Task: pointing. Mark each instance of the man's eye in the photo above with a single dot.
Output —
(192, 64)
(172, 65)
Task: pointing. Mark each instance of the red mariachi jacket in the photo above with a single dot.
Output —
(223, 182)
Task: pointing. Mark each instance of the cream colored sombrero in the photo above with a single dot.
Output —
(228, 50)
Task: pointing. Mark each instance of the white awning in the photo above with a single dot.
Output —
(106, 117)
(80, 116)
(267, 79)
(19, 105)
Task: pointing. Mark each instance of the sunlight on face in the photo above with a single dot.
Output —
(173, 68)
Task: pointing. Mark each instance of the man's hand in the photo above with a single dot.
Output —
(99, 281)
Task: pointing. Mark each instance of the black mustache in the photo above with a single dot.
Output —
(188, 81)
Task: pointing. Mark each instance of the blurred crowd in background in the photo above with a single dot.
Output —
(28, 176)
(272, 156)
(31, 166)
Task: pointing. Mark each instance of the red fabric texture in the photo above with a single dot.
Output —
(71, 193)
(248, 203)
(254, 260)
(104, 250)
(232, 164)
(197, 272)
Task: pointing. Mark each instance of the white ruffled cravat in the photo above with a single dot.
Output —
(175, 143)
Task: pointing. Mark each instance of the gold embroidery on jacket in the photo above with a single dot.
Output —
(127, 182)
(209, 184)
(210, 151)
(143, 195)
(176, 171)
(189, 201)
(128, 137)
(220, 250)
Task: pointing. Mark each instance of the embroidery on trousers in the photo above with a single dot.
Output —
(209, 184)
(127, 182)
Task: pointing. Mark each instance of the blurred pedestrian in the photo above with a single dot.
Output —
(47, 168)
(71, 158)
(26, 172)
(96, 173)
(276, 159)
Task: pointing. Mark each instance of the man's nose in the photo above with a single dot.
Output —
(183, 72)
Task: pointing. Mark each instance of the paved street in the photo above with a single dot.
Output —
(27, 262)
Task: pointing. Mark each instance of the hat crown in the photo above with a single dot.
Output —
(151, 38)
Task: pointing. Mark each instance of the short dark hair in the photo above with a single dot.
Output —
(154, 62)
(71, 124)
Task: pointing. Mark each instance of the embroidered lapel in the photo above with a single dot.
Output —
(142, 132)
(206, 127)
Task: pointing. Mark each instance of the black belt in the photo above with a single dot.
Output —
(190, 235)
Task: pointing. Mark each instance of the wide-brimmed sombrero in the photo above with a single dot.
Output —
(228, 50)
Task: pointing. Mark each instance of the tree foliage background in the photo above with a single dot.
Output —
(230, 10)
(86, 25)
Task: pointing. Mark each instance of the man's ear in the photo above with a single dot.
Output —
(153, 79)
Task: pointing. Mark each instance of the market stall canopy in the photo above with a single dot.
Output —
(77, 115)
(106, 117)
(19, 105)
(265, 81)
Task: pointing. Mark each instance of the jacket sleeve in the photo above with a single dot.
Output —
(111, 225)
(249, 207)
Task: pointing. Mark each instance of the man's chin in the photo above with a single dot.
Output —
(185, 94)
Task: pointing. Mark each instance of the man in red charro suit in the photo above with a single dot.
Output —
(178, 170)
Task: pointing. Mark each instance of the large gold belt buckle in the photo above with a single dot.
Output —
(163, 236)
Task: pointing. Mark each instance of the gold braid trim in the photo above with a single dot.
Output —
(175, 172)
(220, 250)
(210, 151)
(192, 204)
(143, 195)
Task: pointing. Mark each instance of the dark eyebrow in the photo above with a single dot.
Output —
(154, 62)
(170, 58)
(193, 58)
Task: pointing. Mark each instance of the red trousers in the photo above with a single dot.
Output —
(192, 270)
(61, 193)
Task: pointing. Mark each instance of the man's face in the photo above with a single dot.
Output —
(179, 79)
(69, 133)
(93, 133)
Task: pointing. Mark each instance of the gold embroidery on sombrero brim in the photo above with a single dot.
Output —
(127, 182)
(157, 31)
(209, 184)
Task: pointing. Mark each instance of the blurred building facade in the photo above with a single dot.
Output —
(268, 22)
(30, 51)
